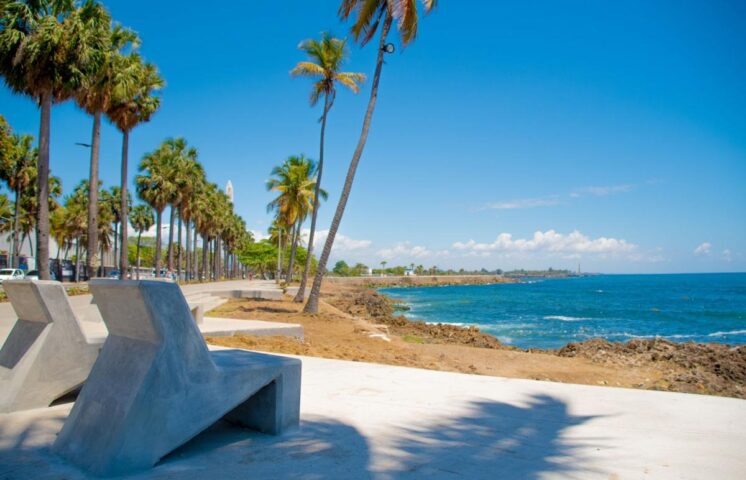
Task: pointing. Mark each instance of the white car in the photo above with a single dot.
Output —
(10, 274)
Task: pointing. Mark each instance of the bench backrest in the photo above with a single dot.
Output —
(39, 306)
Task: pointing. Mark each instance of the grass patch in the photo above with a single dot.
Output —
(413, 339)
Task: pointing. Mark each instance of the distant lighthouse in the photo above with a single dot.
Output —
(229, 190)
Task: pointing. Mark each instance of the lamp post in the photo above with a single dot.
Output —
(77, 242)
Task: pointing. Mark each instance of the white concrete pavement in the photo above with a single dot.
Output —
(205, 292)
(380, 422)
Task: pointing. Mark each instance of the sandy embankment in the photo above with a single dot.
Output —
(354, 320)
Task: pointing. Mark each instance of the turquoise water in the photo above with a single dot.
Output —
(551, 313)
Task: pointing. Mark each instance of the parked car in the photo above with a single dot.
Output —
(34, 275)
(165, 275)
(113, 275)
(10, 274)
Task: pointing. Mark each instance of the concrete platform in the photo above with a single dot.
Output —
(366, 421)
(257, 294)
(95, 329)
(226, 327)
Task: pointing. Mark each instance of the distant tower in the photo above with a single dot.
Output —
(229, 190)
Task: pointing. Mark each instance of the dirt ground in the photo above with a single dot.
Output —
(358, 324)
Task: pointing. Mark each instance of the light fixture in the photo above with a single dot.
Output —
(86, 145)
(388, 48)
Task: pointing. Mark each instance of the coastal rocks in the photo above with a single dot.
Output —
(380, 309)
(689, 367)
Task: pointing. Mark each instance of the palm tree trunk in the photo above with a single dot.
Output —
(205, 247)
(42, 219)
(123, 208)
(139, 235)
(293, 244)
(216, 258)
(116, 243)
(187, 252)
(170, 261)
(178, 243)
(224, 256)
(159, 221)
(77, 259)
(195, 264)
(302, 289)
(279, 255)
(312, 306)
(16, 251)
(93, 196)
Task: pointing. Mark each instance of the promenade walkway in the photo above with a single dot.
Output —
(94, 326)
(367, 421)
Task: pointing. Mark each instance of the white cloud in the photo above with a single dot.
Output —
(727, 255)
(342, 243)
(703, 249)
(549, 242)
(524, 203)
(602, 191)
(152, 230)
(259, 235)
(406, 251)
(552, 200)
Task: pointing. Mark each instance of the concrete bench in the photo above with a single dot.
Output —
(156, 385)
(46, 354)
(198, 312)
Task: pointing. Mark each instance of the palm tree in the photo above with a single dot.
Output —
(191, 177)
(30, 204)
(46, 49)
(295, 180)
(106, 217)
(95, 98)
(110, 200)
(75, 219)
(17, 169)
(6, 138)
(181, 165)
(133, 103)
(156, 189)
(6, 211)
(142, 220)
(326, 58)
(369, 15)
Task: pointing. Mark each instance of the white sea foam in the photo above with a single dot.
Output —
(563, 318)
(723, 334)
(505, 340)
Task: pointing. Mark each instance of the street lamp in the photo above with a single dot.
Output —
(86, 145)
(388, 48)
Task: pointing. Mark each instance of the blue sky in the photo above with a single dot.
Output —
(510, 134)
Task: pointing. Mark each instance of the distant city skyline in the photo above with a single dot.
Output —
(507, 136)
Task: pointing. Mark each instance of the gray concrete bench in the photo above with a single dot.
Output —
(156, 385)
(46, 354)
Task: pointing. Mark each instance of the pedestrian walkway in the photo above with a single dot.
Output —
(207, 293)
(380, 422)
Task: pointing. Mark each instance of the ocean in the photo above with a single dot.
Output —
(549, 313)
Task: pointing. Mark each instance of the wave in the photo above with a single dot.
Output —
(563, 318)
(723, 334)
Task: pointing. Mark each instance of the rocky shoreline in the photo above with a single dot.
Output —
(419, 281)
(706, 368)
